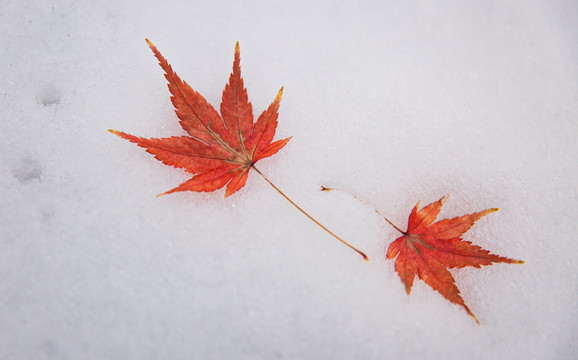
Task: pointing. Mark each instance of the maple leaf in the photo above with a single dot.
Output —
(219, 150)
(427, 249)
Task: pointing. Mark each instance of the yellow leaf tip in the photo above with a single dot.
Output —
(237, 47)
(114, 132)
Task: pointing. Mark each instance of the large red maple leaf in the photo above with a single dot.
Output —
(427, 249)
(220, 149)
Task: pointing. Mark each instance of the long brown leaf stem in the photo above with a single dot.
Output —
(323, 188)
(309, 216)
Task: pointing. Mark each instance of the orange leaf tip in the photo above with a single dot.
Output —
(117, 133)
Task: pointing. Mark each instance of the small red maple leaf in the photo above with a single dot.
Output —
(219, 149)
(427, 249)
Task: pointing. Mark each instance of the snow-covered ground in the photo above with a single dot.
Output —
(394, 101)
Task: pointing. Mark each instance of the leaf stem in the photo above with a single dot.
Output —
(309, 216)
(323, 188)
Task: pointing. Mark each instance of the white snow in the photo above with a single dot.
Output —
(394, 101)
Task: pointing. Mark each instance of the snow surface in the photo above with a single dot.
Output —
(394, 101)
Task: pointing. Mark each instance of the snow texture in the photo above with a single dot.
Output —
(394, 101)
